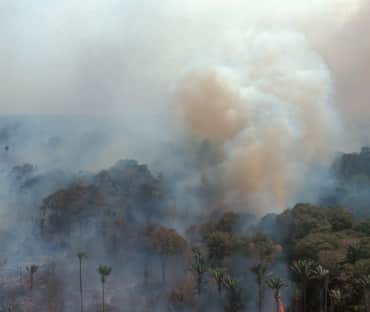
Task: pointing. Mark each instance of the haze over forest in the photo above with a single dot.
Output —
(202, 155)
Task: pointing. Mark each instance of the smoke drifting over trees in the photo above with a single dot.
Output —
(166, 141)
(252, 77)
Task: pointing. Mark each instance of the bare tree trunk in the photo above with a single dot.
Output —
(304, 296)
(277, 300)
(332, 307)
(260, 291)
(81, 292)
(146, 276)
(163, 265)
(326, 295)
(297, 301)
(199, 284)
(146, 270)
(31, 280)
(103, 297)
(219, 288)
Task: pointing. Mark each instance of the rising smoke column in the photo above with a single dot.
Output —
(264, 94)
(267, 102)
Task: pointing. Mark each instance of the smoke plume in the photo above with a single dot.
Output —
(268, 103)
(261, 80)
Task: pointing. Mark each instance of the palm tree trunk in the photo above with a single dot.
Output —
(146, 276)
(146, 270)
(297, 299)
(219, 287)
(304, 296)
(31, 280)
(163, 265)
(277, 300)
(259, 298)
(199, 283)
(326, 295)
(81, 293)
(103, 296)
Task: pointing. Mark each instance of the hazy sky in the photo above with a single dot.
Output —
(126, 56)
(280, 85)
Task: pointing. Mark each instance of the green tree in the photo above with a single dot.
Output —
(219, 245)
(276, 284)
(364, 282)
(336, 299)
(228, 222)
(167, 243)
(340, 219)
(265, 250)
(81, 256)
(199, 268)
(104, 272)
(303, 269)
(233, 295)
(261, 272)
(322, 276)
(145, 245)
(182, 297)
(303, 219)
(32, 269)
(358, 251)
(363, 227)
(218, 274)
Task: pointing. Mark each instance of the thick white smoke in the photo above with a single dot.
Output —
(268, 101)
(247, 75)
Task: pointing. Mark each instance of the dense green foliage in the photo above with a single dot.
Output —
(326, 251)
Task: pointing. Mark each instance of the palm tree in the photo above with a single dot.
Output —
(321, 274)
(336, 299)
(32, 270)
(104, 271)
(199, 267)
(218, 275)
(261, 272)
(265, 252)
(304, 271)
(276, 284)
(81, 256)
(364, 283)
(234, 300)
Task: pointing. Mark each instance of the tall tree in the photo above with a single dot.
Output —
(304, 272)
(198, 267)
(167, 243)
(233, 295)
(276, 284)
(218, 274)
(364, 282)
(104, 272)
(336, 299)
(219, 245)
(265, 250)
(261, 273)
(81, 256)
(321, 275)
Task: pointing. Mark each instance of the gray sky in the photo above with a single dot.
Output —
(126, 56)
